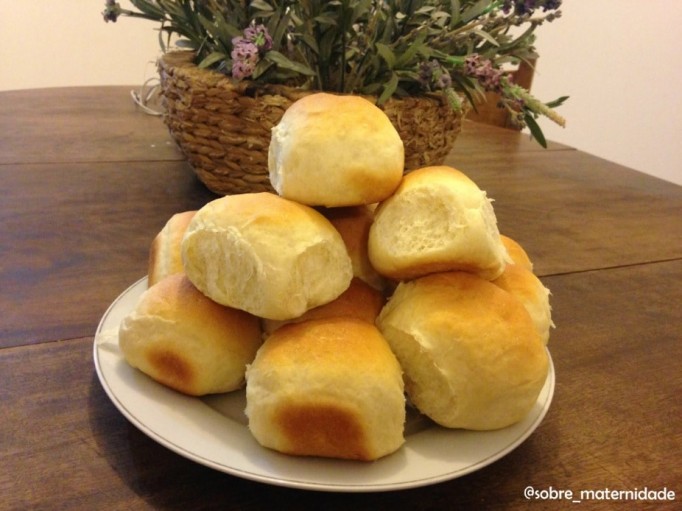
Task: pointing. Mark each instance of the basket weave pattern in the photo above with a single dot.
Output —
(223, 127)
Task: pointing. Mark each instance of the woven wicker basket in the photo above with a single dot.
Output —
(223, 127)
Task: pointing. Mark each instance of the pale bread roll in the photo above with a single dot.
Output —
(360, 301)
(185, 341)
(335, 150)
(437, 220)
(522, 283)
(516, 252)
(165, 257)
(329, 388)
(266, 255)
(353, 224)
(471, 355)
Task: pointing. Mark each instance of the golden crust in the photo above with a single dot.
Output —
(353, 223)
(328, 387)
(524, 285)
(185, 341)
(516, 252)
(335, 150)
(315, 428)
(165, 254)
(471, 355)
(360, 301)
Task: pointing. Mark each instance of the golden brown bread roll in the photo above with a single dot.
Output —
(266, 255)
(185, 341)
(516, 252)
(327, 387)
(165, 256)
(360, 301)
(437, 220)
(532, 293)
(353, 224)
(471, 355)
(335, 150)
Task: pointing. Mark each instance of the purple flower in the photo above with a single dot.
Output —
(241, 69)
(111, 11)
(433, 75)
(471, 63)
(483, 70)
(243, 49)
(247, 50)
(258, 35)
(244, 57)
(551, 5)
(425, 72)
(527, 7)
(444, 80)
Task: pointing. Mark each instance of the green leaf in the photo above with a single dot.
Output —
(326, 45)
(220, 31)
(277, 26)
(557, 102)
(212, 58)
(535, 129)
(455, 8)
(485, 36)
(361, 7)
(283, 62)
(186, 43)
(325, 20)
(425, 9)
(387, 54)
(389, 88)
(476, 10)
(310, 42)
(261, 67)
(261, 5)
(415, 47)
(149, 9)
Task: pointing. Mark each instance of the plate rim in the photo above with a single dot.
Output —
(306, 484)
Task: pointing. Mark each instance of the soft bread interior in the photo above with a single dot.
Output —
(266, 255)
(438, 220)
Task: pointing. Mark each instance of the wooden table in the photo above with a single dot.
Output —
(87, 181)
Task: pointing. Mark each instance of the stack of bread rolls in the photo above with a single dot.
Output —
(352, 292)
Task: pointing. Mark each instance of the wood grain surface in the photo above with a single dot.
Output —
(85, 189)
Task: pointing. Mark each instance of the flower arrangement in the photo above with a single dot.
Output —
(461, 48)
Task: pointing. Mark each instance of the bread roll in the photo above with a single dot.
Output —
(437, 220)
(327, 387)
(266, 255)
(187, 342)
(165, 256)
(516, 252)
(335, 150)
(534, 296)
(360, 301)
(470, 352)
(353, 224)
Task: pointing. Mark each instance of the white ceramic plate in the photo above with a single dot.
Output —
(213, 431)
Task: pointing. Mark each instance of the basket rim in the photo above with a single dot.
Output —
(182, 61)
